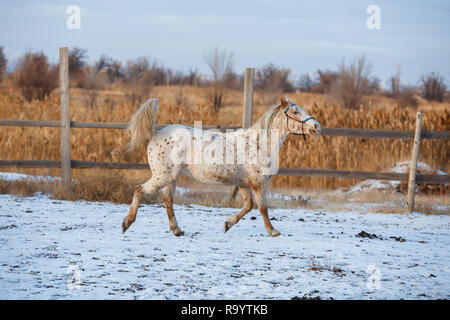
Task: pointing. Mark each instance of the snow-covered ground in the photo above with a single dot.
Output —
(51, 249)
(387, 185)
(12, 176)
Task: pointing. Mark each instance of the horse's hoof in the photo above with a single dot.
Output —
(274, 232)
(227, 225)
(178, 233)
(125, 224)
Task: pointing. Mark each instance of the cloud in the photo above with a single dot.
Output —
(352, 47)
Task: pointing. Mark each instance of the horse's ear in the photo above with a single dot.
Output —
(284, 101)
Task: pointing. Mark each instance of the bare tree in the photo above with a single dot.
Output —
(433, 87)
(192, 78)
(405, 96)
(77, 60)
(352, 83)
(305, 83)
(2, 63)
(394, 82)
(221, 64)
(112, 67)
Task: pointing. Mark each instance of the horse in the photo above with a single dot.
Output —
(178, 148)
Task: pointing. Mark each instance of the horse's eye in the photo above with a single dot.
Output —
(295, 112)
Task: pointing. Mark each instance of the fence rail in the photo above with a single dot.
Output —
(66, 164)
(332, 132)
(88, 124)
(295, 172)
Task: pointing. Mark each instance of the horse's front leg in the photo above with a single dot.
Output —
(261, 200)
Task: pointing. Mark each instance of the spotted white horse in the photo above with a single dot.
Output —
(201, 154)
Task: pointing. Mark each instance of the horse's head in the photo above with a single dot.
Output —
(297, 120)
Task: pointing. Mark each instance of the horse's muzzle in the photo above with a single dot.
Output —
(315, 129)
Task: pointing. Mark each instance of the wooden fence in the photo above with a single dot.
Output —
(66, 164)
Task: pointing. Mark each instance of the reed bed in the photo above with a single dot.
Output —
(189, 104)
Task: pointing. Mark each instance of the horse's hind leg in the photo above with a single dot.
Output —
(248, 206)
(261, 200)
(152, 185)
(168, 202)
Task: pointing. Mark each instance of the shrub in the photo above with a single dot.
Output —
(93, 82)
(34, 76)
(271, 78)
(433, 87)
(406, 97)
(140, 79)
(324, 81)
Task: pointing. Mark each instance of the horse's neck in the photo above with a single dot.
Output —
(276, 134)
(278, 131)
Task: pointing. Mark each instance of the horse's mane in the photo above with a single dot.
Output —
(265, 122)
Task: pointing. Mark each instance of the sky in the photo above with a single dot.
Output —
(301, 35)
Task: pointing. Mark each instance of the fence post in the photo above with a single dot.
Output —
(248, 97)
(414, 159)
(65, 119)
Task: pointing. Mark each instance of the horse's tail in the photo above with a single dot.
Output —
(142, 125)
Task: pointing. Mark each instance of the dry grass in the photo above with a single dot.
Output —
(321, 152)
(326, 265)
(26, 188)
(119, 189)
(116, 190)
(365, 202)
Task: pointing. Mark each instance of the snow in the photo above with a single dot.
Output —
(400, 167)
(52, 249)
(12, 176)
